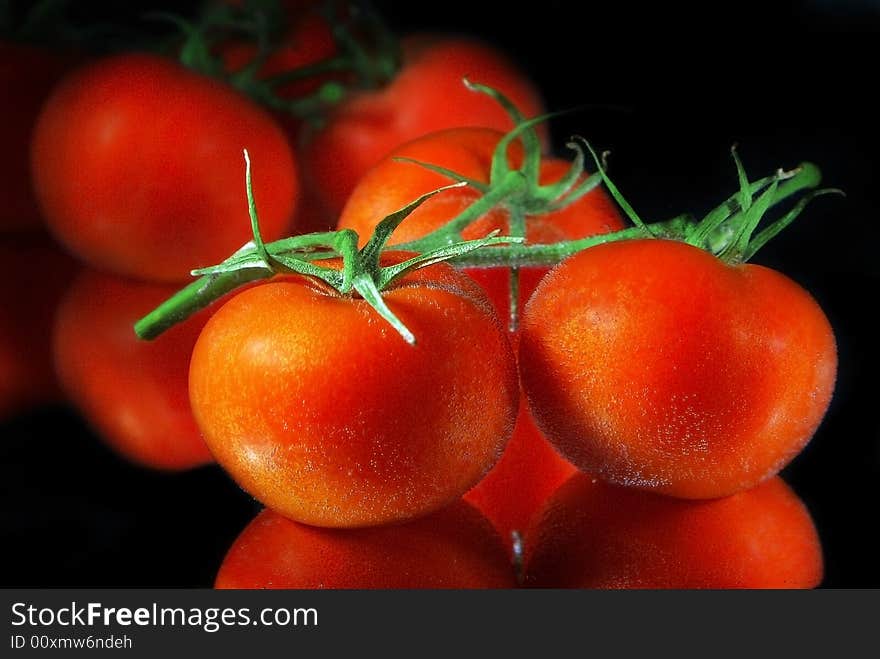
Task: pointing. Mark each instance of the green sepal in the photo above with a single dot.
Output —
(364, 284)
(443, 171)
(619, 198)
(739, 241)
(371, 252)
(771, 231)
(531, 143)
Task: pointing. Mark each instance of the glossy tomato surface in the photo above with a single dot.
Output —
(134, 393)
(455, 547)
(318, 408)
(139, 169)
(654, 364)
(594, 535)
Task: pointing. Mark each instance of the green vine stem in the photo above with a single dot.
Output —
(730, 231)
(517, 190)
(367, 53)
(727, 231)
(703, 234)
(361, 271)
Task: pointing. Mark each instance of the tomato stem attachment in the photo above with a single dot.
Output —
(728, 230)
(361, 271)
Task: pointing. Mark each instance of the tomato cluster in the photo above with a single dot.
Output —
(403, 423)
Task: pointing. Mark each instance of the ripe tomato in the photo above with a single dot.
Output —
(34, 274)
(654, 364)
(138, 167)
(426, 96)
(593, 535)
(391, 184)
(27, 75)
(320, 410)
(133, 392)
(455, 547)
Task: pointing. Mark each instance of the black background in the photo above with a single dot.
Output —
(667, 90)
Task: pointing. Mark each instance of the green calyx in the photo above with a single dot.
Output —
(728, 231)
(367, 54)
(516, 190)
(361, 273)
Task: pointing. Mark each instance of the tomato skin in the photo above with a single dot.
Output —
(133, 392)
(390, 185)
(320, 410)
(455, 547)
(27, 75)
(654, 364)
(427, 95)
(34, 275)
(595, 535)
(138, 168)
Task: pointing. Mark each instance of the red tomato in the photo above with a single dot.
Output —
(133, 392)
(139, 170)
(426, 96)
(529, 471)
(27, 75)
(654, 364)
(455, 547)
(593, 535)
(320, 410)
(34, 274)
